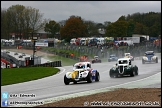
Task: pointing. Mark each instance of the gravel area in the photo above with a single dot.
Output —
(140, 97)
(30, 52)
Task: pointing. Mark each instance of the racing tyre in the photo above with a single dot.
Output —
(137, 72)
(113, 75)
(156, 60)
(97, 77)
(133, 73)
(66, 80)
(89, 78)
(75, 82)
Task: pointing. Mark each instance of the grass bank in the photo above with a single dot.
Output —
(18, 75)
(65, 61)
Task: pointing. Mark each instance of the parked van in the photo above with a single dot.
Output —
(100, 41)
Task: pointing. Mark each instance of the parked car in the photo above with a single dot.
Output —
(112, 57)
(96, 60)
(82, 71)
(20, 56)
(23, 54)
(128, 55)
(149, 56)
(123, 67)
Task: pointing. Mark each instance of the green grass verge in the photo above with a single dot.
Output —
(18, 75)
(65, 61)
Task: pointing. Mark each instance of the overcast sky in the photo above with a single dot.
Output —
(97, 11)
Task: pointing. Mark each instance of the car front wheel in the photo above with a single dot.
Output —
(89, 78)
(113, 75)
(66, 80)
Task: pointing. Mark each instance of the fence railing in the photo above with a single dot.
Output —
(50, 64)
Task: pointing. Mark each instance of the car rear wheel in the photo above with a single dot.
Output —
(133, 73)
(66, 80)
(137, 72)
(97, 76)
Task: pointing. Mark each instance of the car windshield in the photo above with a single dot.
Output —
(112, 55)
(96, 57)
(123, 62)
(127, 55)
(149, 53)
(79, 66)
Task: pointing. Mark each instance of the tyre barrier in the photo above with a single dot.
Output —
(51, 64)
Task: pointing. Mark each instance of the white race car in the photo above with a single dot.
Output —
(149, 56)
(128, 55)
(82, 71)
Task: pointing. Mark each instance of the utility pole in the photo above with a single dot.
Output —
(34, 40)
(159, 43)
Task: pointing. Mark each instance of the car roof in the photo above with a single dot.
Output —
(149, 52)
(123, 59)
(81, 63)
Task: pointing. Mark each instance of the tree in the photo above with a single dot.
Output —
(73, 28)
(3, 23)
(122, 18)
(91, 28)
(130, 28)
(15, 18)
(106, 24)
(139, 28)
(36, 21)
(52, 27)
(117, 29)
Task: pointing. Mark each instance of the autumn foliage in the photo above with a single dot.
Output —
(73, 28)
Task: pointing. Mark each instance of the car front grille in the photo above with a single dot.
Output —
(121, 69)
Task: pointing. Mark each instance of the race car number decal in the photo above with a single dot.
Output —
(93, 73)
(74, 74)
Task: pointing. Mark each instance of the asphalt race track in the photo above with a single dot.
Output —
(54, 86)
